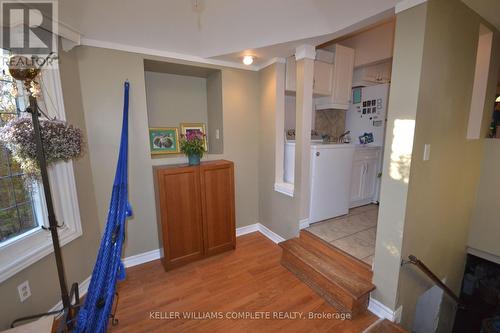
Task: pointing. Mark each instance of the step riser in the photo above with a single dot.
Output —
(334, 295)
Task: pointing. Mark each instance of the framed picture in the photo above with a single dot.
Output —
(196, 128)
(164, 140)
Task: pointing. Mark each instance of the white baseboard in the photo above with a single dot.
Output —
(247, 229)
(270, 234)
(382, 311)
(260, 228)
(141, 258)
(304, 224)
(83, 287)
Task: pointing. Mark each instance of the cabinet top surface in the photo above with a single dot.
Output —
(185, 165)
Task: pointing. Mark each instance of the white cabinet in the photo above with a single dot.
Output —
(322, 85)
(342, 73)
(322, 78)
(364, 176)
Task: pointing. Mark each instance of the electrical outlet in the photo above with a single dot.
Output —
(24, 291)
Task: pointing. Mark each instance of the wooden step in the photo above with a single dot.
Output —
(361, 267)
(342, 282)
(384, 326)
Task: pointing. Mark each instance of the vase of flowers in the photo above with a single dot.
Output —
(193, 145)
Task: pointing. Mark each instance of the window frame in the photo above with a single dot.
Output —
(28, 248)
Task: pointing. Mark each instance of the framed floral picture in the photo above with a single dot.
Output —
(164, 140)
(198, 128)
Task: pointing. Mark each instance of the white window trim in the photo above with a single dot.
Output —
(25, 250)
(280, 185)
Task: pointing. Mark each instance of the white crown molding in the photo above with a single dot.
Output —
(305, 51)
(382, 311)
(407, 4)
(166, 54)
(275, 60)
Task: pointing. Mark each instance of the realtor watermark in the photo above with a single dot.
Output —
(30, 29)
(247, 315)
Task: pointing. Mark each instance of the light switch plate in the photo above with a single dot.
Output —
(427, 152)
(24, 291)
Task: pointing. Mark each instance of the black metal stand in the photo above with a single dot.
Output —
(69, 310)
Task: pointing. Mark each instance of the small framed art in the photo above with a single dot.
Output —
(164, 140)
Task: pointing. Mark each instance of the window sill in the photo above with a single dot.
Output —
(284, 188)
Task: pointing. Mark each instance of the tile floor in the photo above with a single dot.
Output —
(353, 233)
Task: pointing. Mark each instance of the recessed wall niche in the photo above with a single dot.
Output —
(178, 93)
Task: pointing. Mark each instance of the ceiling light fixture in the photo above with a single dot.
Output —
(248, 60)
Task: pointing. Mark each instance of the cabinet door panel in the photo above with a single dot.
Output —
(342, 75)
(322, 78)
(217, 183)
(370, 179)
(358, 169)
(179, 191)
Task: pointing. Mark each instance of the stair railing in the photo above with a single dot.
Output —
(415, 261)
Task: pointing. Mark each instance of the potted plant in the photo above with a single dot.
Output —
(193, 145)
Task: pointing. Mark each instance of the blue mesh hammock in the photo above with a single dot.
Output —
(94, 316)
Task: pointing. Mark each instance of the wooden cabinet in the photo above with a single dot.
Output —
(195, 209)
(341, 85)
(364, 176)
(322, 85)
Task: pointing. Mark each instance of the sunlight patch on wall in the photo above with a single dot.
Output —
(401, 149)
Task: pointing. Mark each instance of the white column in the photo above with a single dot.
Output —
(304, 55)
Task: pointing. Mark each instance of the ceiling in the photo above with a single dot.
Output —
(487, 9)
(220, 29)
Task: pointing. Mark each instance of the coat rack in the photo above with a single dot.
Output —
(23, 69)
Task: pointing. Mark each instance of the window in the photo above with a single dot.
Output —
(22, 213)
(17, 203)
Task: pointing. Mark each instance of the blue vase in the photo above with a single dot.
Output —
(194, 159)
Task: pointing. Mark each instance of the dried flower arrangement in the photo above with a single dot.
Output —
(61, 142)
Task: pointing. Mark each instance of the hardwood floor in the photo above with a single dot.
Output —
(248, 281)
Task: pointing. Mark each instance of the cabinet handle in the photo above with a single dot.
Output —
(318, 153)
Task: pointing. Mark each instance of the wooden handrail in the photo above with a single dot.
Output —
(415, 261)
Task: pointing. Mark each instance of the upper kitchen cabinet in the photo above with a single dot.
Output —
(323, 71)
(341, 80)
(322, 84)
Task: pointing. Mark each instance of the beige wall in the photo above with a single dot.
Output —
(277, 211)
(102, 74)
(401, 115)
(174, 99)
(214, 112)
(79, 255)
(441, 191)
(485, 226)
